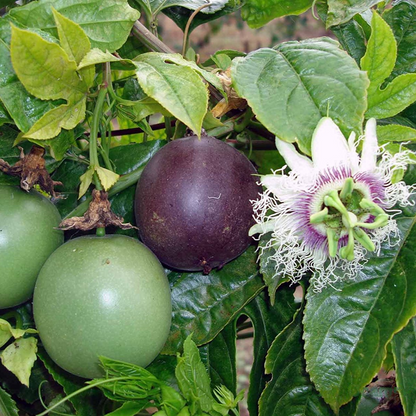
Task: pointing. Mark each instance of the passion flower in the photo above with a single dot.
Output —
(329, 211)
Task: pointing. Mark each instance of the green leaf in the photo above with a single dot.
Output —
(178, 89)
(66, 116)
(107, 177)
(75, 43)
(193, 379)
(7, 405)
(290, 392)
(154, 7)
(107, 23)
(352, 38)
(268, 321)
(348, 327)
(23, 107)
(379, 62)
(85, 403)
(219, 356)
(404, 351)
(395, 133)
(203, 312)
(19, 357)
(258, 12)
(4, 115)
(291, 88)
(59, 145)
(340, 11)
(44, 67)
(402, 19)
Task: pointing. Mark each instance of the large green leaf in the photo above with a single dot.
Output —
(290, 88)
(402, 20)
(268, 322)
(107, 23)
(7, 405)
(153, 7)
(259, 12)
(178, 89)
(205, 304)
(351, 36)
(395, 133)
(290, 391)
(379, 61)
(347, 327)
(404, 350)
(340, 11)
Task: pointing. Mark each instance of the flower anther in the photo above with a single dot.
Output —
(332, 209)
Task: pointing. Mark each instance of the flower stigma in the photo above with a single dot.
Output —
(329, 211)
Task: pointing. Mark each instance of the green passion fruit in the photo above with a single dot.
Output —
(105, 296)
(28, 235)
(192, 203)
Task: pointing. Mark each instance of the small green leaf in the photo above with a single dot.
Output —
(292, 87)
(347, 327)
(193, 379)
(19, 357)
(74, 42)
(107, 177)
(340, 11)
(258, 12)
(86, 180)
(66, 116)
(178, 89)
(379, 61)
(404, 351)
(206, 312)
(402, 19)
(7, 405)
(97, 56)
(7, 331)
(395, 133)
(44, 67)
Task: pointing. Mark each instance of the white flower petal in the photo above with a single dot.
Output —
(294, 160)
(329, 146)
(354, 159)
(370, 147)
(279, 185)
(262, 228)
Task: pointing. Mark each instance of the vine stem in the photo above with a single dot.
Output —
(188, 25)
(81, 390)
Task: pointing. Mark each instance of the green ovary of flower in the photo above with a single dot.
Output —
(345, 212)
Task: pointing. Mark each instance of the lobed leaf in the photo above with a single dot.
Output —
(292, 87)
(348, 327)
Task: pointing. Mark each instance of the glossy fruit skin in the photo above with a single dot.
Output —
(192, 203)
(27, 238)
(102, 296)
